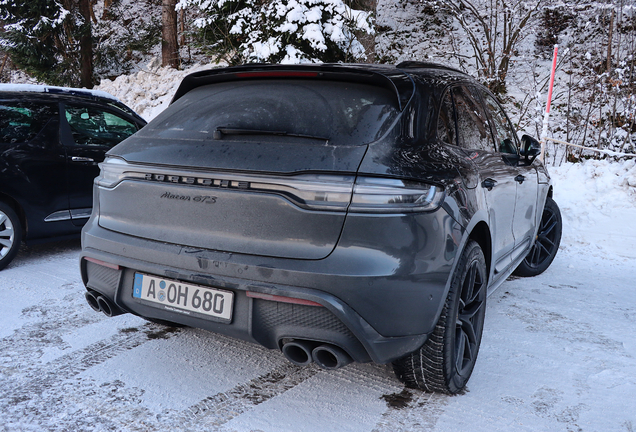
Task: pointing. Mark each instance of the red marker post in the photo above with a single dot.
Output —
(544, 132)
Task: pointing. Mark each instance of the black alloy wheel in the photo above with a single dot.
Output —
(10, 234)
(546, 243)
(446, 360)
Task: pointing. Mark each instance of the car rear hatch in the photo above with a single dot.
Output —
(256, 161)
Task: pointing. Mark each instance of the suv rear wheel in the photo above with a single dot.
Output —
(546, 244)
(446, 360)
(10, 234)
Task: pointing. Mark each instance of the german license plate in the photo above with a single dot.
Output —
(184, 298)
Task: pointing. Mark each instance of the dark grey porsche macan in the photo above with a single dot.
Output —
(335, 212)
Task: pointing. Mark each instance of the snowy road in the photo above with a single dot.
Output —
(558, 354)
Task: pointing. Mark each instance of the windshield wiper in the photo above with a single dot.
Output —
(220, 131)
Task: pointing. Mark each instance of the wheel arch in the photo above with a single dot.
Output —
(481, 234)
(17, 208)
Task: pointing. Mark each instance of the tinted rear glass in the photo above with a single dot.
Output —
(22, 121)
(345, 113)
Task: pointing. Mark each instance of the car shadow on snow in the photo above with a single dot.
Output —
(29, 253)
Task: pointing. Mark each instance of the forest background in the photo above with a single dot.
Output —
(506, 44)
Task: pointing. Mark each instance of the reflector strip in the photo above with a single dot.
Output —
(282, 299)
(102, 263)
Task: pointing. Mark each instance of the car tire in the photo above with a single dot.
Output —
(446, 360)
(10, 234)
(546, 244)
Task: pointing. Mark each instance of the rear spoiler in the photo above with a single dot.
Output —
(387, 77)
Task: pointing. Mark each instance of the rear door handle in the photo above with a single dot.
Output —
(520, 178)
(82, 159)
(489, 183)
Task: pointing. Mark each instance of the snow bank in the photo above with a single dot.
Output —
(149, 92)
(598, 204)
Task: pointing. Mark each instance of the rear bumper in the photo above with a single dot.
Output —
(378, 305)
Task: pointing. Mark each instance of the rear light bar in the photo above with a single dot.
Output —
(324, 192)
(282, 299)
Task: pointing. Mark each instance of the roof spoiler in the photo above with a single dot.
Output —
(399, 82)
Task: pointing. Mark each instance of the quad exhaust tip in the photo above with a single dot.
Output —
(330, 357)
(302, 353)
(99, 303)
(298, 352)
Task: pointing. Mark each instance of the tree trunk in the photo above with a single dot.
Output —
(169, 45)
(86, 46)
(182, 19)
(608, 66)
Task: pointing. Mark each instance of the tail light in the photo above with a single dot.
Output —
(380, 195)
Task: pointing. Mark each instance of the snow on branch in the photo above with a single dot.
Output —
(281, 31)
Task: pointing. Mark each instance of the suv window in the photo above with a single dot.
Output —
(20, 122)
(472, 124)
(92, 126)
(446, 121)
(345, 113)
(506, 139)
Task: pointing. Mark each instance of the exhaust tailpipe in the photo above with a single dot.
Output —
(109, 308)
(91, 298)
(330, 357)
(298, 352)
(99, 303)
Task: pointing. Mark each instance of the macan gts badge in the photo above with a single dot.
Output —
(337, 213)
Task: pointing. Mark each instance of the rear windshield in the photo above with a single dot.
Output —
(344, 113)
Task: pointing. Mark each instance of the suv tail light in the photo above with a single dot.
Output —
(381, 195)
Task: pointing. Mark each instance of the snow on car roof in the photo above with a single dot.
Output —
(54, 89)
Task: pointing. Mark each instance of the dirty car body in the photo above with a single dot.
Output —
(317, 209)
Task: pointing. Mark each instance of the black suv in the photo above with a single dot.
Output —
(51, 140)
(335, 212)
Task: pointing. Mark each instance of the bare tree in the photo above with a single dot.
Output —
(494, 29)
(169, 44)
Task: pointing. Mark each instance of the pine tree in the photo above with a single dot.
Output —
(287, 31)
(43, 37)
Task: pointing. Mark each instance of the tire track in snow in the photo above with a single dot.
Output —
(27, 344)
(39, 379)
(40, 385)
(217, 410)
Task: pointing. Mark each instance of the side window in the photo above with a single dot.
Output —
(473, 131)
(505, 135)
(446, 121)
(92, 126)
(20, 122)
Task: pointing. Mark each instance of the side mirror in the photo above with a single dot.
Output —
(530, 148)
